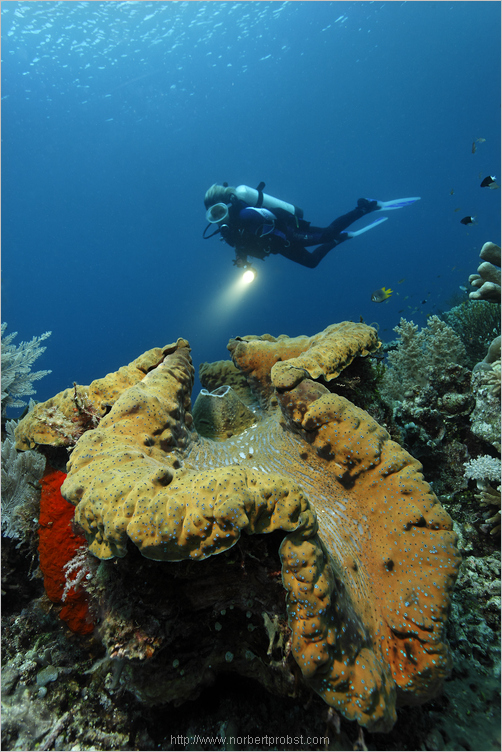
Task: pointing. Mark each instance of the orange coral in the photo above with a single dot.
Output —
(57, 546)
(61, 420)
(254, 356)
(288, 360)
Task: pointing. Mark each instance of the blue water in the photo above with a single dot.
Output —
(117, 116)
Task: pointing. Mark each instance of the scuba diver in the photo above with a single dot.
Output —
(256, 224)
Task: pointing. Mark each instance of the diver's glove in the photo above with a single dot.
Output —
(240, 262)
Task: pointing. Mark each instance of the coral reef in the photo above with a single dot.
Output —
(222, 623)
(235, 711)
(363, 633)
(488, 318)
(433, 423)
(487, 279)
(17, 376)
(445, 413)
(485, 383)
(452, 417)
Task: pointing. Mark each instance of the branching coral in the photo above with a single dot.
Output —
(483, 468)
(77, 572)
(434, 347)
(490, 497)
(485, 418)
(492, 379)
(17, 361)
(476, 322)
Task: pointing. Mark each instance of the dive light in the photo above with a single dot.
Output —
(249, 275)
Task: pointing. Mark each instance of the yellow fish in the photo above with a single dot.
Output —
(380, 295)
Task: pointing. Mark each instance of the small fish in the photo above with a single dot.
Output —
(463, 288)
(452, 192)
(400, 281)
(489, 182)
(380, 295)
(423, 302)
(456, 210)
(468, 220)
(481, 140)
(473, 147)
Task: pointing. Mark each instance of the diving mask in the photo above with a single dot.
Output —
(217, 213)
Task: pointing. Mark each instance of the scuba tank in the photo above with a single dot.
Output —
(256, 198)
(258, 221)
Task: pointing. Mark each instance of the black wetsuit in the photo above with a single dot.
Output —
(291, 236)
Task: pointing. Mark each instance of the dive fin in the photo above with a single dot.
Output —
(354, 233)
(397, 203)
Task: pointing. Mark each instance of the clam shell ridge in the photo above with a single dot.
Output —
(368, 557)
